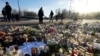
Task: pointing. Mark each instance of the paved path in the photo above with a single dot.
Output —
(28, 22)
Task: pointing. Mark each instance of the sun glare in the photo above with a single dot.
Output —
(86, 6)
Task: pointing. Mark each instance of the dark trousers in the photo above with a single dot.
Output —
(17, 17)
(40, 20)
(9, 17)
(5, 18)
(51, 19)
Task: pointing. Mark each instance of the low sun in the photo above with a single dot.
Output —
(86, 6)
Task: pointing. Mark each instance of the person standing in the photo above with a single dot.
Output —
(8, 10)
(40, 15)
(51, 16)
(4, 14)
(17, 16)
(62, 17)
(56, 17)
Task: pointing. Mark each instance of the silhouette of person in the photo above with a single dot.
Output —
(51, 16)
(17, 17)
(4, 14)
(8, 10)
(62, 17)
(56, 17)
(40, 15)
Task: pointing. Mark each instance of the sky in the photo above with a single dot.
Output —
(81, 6)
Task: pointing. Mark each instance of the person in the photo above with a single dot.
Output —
(62, 17)
(56, 17)
(40, 15)
(17, 17)
(4, 14)
(8, 10)
(51, 16)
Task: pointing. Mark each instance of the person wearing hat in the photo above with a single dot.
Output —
(8, 10)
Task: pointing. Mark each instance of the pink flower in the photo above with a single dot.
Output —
(51, 30)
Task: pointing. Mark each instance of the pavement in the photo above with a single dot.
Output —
(29, 22)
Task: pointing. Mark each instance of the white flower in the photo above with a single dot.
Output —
(61, 50)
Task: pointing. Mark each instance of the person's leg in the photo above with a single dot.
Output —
(10, 17)
(49, 19)
(7, 18)
(56, 18)
(41, 19)
(4, 18)
(52, 19)
(17, 18)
